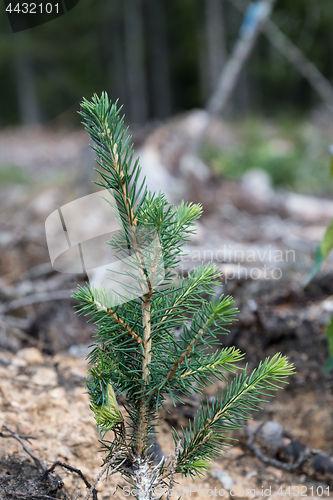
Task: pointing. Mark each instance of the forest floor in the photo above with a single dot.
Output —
(262, 240)
(44, 397)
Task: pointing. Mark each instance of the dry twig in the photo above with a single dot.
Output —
(31, 497)
(71, 469)
(20, 440)
(35, 299)
(291, 467)
(173, 470)
(100, 475)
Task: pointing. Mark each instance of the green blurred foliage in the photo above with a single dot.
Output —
(329, 333)
(292, 152)
(13, 174)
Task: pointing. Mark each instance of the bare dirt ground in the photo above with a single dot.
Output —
(44, 397)
(43, 344)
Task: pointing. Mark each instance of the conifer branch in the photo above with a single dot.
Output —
(225, 360)
(215, 311)
(231, 411)
(177, 363)
(202, 279)
(121, 322)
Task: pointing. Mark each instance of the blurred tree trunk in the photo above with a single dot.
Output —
(25, 83)
(134, 57)
(203, 79)
(113, 42)
(215, 41)
(251, 28)
(161, 90)
(239, 102)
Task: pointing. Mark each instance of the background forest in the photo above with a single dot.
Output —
(158, 57)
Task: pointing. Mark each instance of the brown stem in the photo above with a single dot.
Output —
(146, 339)
(147, 343)
(118, 320)
(121, 322)
(130, 213)
(143, 417)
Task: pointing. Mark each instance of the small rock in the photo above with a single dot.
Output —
(5, 361)
(31, 355)
(24, 428)
(46, 202)
(157, 176)
(44, 376)
(233, 452)
(308, 208)
(327, 305)
(257, 183)
(58, 393)
(253, 306)
(78, 371)
(224, 478)
(274, 472)
(195, 122)
(17, 361)
(65, 452)
(80, 350)
(270, 437)
(11, 418)
(192, 166)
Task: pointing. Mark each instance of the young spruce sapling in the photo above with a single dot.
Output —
(136, 354)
